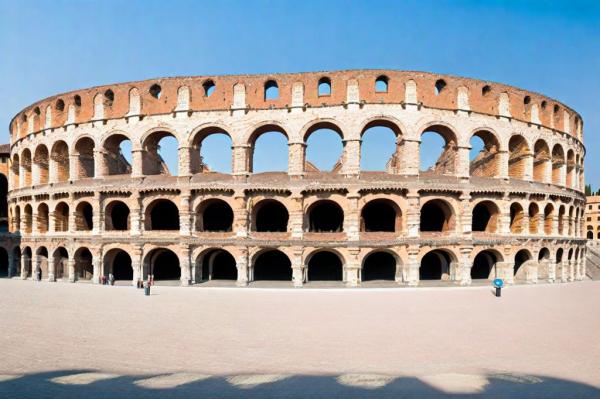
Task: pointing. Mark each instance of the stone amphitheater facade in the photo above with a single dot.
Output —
(79, 210)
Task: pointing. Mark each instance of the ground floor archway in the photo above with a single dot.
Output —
(3, 262)
(272, 265)
(379, 266)
(521, 257)
(435, 265)
(484, 265)
(118, 262)
(163, 264)
(216, 264)
(84, 268)
(325, 266)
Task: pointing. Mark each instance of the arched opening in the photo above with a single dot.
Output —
(160, 154)
(16, 219)
(3, 262)
(26, 166)
(118, 263)
(436, 216)
(16, 265)
(590, 234)
(60, 158)
(3, 203)
(84, 150)
(324, 87)
(40, 161)
(381, 84)
(272, 265)
(214, 215)
(484, 155)
(440, 85)
(270, 216)
(42, 259)
(324, 148)
(435, 265)
(60, 259)
(521, 257)
(15, 169)
(211, 151)
(117, 216)
(61, 217)
(484, 265)
(84, 217)
(436, 160)
(216, 264)
(84, 269)
(27, 218)
(209, 87)
(162, 214)
(561, 219)
(325, 216)
(380, 215)
(42, 220)
(117, 155)
(544, 254)
(271, 90)
(379, 150)
(559, 255)
(558, 161)
(325, 266)
(516, 218)
(534, 216)
(548, 219)
(26, 255)
(571, 180)
(541, 161)
(379, 265)
(485, 217)
(163, 264)
(269, 146)
(518, 153)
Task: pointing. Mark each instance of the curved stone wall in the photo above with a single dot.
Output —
(80, 210)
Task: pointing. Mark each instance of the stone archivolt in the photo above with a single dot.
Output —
(78, 209)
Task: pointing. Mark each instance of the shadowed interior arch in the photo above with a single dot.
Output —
(272, 265)
(325, 266)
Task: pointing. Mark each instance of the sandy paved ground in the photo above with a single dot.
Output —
(72, 339)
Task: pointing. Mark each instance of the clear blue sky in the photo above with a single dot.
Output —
(552, 47)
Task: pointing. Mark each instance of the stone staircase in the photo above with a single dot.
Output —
(593, 261)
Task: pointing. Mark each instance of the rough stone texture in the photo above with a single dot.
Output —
(76, 165)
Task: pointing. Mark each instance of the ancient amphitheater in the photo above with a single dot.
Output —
(78, 209)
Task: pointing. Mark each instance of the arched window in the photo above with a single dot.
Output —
(516, 218)
(162, 214)
(209, 87)
(484, 155)
(270, 216)
(325, 216)
(518, 155)
(84, 149)
(160, 156)
(155, 91)
(541, 161)
(380, 215)
(211, 151)
(324, 148)
(214, 215)
(440, 85)
(60, 158)
(84, 216)
(117, 158)
(379, 148)
(381, 84)
(117, 216)
(436, 216)
(61, 217)
(269, 149)
(271, 90)
(324, 88)
(436, 160)
(485, 217)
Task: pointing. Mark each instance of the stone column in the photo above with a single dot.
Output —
(11, 261)
(555, 223)
(297, 215)
(352, 268)
(413, 265)
(242, 266)
(351, 158)
(184, 214)
(71, 268)
(409, 159)
(72, 223)
(24, 262)
(466, 217)
(571, 272)
(136, 264)
(97, 264)
(52, 170)
(296, 158)
(21, 174)
(134, 214)
(465, 265)
(137, 161)
(51, 268)
(35, 172)
(38, 264)
(100, 169)
(503, 168)
(240, 215)
(562, 180)
(240, 154)
(73, 167)
(297, 267)
(464, 163)
(352, 217)
(186, 276)
(34, 216)
(98, 215)
(184, 165)
(413, 213)
(528, 172)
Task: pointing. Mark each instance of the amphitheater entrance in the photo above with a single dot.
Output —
(484, 266)
(272, 265)
(162, 214)
(325, 216)
(3, 262)
(214, 215)
(435, 265)
(270, 216)
(380, 215)
(84, 269)
(42, 259)
(118, 262)
(215, 264)
(521, 257)
(436, 216)
(325, 266)
(163, 264)
(379, 266)
(26, 258)
(60, 259)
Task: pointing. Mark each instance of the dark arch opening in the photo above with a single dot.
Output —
(271, 90)
(544, 254)
(3, 203)
(483, 265)
(521, 257)
(485, 217)
(218, 264)
(434, 264)
(271, 216)
(436, 216)
(216, 215)
(325, 216)
(118, 216)
(379, 215)
(3, 262)
(164, 215)
(272, 265)
(164, 265)
(120, 266)
(84, 217)
(84, 269)
(379, 266)
(60, 258)
(325, 266)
